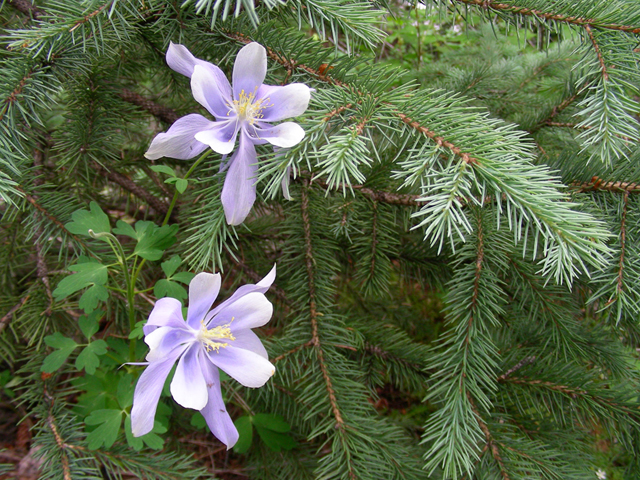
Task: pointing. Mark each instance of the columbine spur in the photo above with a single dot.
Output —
(246, 109)
(207, 340)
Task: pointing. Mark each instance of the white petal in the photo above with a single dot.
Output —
(249, 311)
(147, 393)
(249, 70)
(221, 137)
(180, 59)
(203, 291)
(215, 412)
(167, 312)
(180, 141)
(165, 339)
(248, 340)
(188, 386)
(285, 134)
(206, 91)
(248, 368)
(286, 102)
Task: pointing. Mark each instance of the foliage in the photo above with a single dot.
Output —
(458, 267)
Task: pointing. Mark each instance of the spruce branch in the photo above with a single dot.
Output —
(62, 446)
(42, 270)
(491, 444)
(596, 47)
(28, 8)
(550, 15)
(623, 243)
(4, 321)
(165, 114)
(313, 312)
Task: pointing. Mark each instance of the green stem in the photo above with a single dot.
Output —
(131, 288)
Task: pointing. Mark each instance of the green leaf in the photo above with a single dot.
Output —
(152, 240)
(109, 426)
(163, 169)
(88, 358)
(183, 277)
(167, 288)
(245, 432)
(88, 273)
(181, 185)
(150, 439)
(92, 296)
(198, 421)
(170, 266)
(83, 221)
(63, 348)
(89, 323)
(124, 394)
(271, 421)
(276, 441)
(137, 331)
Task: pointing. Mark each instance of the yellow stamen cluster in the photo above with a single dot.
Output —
(210, 337)
(248, 108)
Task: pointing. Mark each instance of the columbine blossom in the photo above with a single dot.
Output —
(246, 109)
(207, 340)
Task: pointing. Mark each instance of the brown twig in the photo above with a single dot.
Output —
(4, 321)
(64, 459)
(495, 452)
(525, 361)
(596, 47)
(623, 238)
(27, 8)
(597, 184)
(313, 312)
(310, 343)
(551, 16)
(165, 114)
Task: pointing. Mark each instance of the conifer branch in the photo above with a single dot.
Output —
(313, 313)
(42, 270)
(517, 10)
(495, 452)
(4, 321)
(310, 343)
(90, 16)
(596, 184)
(374, 239)
(623, 238)
(166, 114)
(66, 471)
(596, 47)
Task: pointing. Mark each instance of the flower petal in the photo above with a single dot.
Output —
(248, 368)
(203, 291)
(164, 339)
(205, 89)
(167, 312)
(285, 134)
(239, 190)
(215, 412)
(286, 102)
(221, 137)
(249, 311)
(188, 386)
(147, 393)
(180, 59)
(261, 287)
(249, 70)
(248, 340)
(179, 141)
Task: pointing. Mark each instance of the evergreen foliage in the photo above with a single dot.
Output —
(458, 287)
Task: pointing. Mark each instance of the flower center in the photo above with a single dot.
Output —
(248, 108)
(210, 338)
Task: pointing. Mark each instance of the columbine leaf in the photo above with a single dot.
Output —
(63, 348)
(88, 358)
(276, 441)
(90, 299)
(181, 185)
(150, 439)
(152, 240)
(123, 228)
(167, 288)
(183, 277)
(125, 391)
(170, 266)
(271, 421)
(87, 274)
(163, 169)
(89, 323)
(83, 221)
(107, 432)
(245, 431)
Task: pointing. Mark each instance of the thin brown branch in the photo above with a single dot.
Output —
(310, 343)
(4, 321)
(493, 446)
(64, 459)
(596, 47)
(517, 10)
(525, 361)
(89, 17)
(27, 8)
(165, 114)
(313, 312)
(596, 184)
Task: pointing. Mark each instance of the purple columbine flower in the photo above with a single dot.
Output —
(207, 340)
(248, 109)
